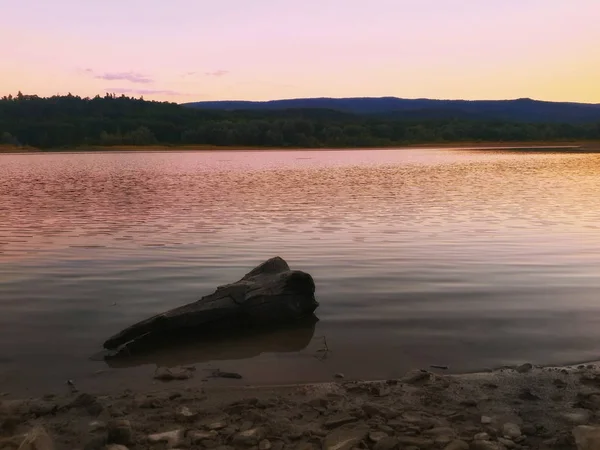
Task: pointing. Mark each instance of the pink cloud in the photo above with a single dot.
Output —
(217, 73)
(132, 77)
(143, 91)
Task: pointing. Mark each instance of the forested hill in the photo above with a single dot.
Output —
(519, 110)
(70, 121)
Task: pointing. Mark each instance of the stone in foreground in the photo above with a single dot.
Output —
(345, 438)
(271, 294)
(37, 439)
(587, 437)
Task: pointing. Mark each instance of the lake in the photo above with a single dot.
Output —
(469, 258)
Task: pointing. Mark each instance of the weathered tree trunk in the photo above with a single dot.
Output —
(269, 294)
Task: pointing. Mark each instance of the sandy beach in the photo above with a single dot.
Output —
(513, 408)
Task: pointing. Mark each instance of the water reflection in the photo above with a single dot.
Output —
(124, 201)
(193, 348)
(490, 256)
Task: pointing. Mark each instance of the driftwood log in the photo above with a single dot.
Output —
(269, 294)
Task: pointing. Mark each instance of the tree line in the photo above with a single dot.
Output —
(71, 121)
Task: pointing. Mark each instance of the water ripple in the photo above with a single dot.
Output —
(489, 256)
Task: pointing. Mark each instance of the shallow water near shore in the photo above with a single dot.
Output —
(464, 258)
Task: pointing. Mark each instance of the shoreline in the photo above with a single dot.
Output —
(584, 146)
(518, 408)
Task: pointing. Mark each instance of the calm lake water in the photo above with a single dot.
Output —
(465, 258)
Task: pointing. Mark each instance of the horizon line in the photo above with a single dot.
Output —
(311, 98)
(392, 97)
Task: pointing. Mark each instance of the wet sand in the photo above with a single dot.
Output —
(516, 408)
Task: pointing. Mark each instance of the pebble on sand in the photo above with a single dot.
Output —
(457, 445)
(587, 437)
(171, 438)
(119, 432)
(197, 436)
(345, 439)
(376, 436)
(37, 439)
(173, 373)
(250, 437)
(511, 430)
(524, 368)
(265, 444)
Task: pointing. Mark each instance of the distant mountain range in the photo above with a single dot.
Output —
(519, 110)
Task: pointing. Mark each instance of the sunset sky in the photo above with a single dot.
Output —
(187, 50)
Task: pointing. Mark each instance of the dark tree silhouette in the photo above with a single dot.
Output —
(71, 121)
